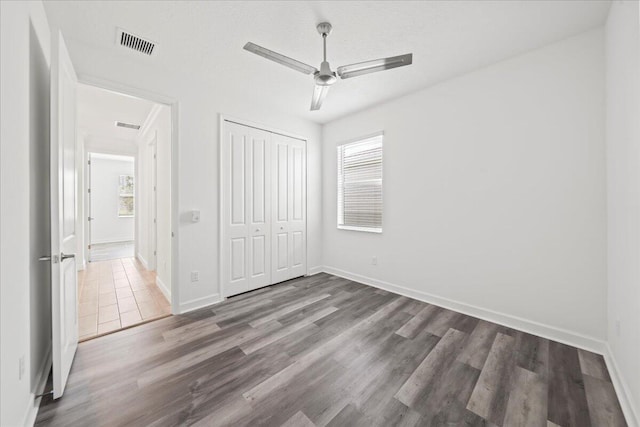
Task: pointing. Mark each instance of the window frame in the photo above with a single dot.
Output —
(122, 195)
(339, 203)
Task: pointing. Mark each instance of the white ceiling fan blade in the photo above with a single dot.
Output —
(280, 59)
(367, 67)
(319, 93)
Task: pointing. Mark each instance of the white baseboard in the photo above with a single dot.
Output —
(314, 270)
(163, 288)
(622, 389)
(41, 383)
(197, 303)
(143, 261)
(532, 327)
(116, 240)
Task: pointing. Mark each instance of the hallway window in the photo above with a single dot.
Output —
(125, 206)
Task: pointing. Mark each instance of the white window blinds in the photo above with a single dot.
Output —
(360, 185)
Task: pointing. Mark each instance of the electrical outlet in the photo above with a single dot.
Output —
(20, 367)
(195, 276)
(374, 260)
(618, 326)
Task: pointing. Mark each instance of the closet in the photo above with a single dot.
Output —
(263, 215)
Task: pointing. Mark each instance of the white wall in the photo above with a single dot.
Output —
(24, 139)
(144, 219)
(623, 194)
(158, 129)
(107, 226)
(200, 103)
(39, 208)
(494, 192)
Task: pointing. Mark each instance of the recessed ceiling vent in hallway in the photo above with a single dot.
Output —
(134, 42)
(127, 125)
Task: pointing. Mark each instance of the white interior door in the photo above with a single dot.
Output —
(246, 210)
(153, 203)
(289, 238)
(63, 214)
(89, 208)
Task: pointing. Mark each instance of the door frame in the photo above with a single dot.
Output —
(174, 105)
(222, 118)
(88, 195)
(153, 205)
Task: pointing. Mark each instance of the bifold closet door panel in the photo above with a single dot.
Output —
(288, 253)
(246, 208)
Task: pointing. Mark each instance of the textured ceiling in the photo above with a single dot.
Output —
(204, 40)
(99, 109)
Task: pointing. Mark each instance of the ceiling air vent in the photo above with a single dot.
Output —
(127, 125)
(126, 39)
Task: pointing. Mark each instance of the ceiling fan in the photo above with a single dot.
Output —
(325, 77)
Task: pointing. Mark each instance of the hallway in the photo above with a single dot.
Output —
(117, 294)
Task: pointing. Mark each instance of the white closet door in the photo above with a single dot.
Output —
(288, 247)
(246, 208)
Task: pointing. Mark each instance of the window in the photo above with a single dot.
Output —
(125, 196)
(360, 185)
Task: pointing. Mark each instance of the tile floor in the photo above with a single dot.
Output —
(109, 251)
(116, 294)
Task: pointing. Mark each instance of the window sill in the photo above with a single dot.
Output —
(365, 229)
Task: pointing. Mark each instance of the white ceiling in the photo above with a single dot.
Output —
(204, 40)
(99, 109)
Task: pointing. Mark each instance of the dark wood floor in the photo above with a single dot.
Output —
(327, 351)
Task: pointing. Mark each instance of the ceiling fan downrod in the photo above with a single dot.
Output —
(325, 77)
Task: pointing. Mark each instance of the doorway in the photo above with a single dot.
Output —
(124, 276)
(111, 206)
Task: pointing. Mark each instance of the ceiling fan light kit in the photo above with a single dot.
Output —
(324, 77)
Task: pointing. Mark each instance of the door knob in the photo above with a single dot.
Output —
(64, 256)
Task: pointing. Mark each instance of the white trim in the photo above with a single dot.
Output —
(143, 261)
(155, 110)
(41, 383)
(163, 288)
(365, 229)
(621, 387)
(115, 240)
(529, 326)
(198, 303)
(243, 122)
(314, 270)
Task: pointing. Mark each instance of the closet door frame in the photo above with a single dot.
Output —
(222, 181)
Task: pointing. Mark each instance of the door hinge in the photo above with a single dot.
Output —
(154, 220)
(155, 253)
(88, 162)
(88, 190)
(154, 188)
(88, 246)
(154, 156)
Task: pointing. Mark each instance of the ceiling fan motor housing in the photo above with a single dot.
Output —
(325, 77)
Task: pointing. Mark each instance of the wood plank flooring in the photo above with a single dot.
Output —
(323, 350)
